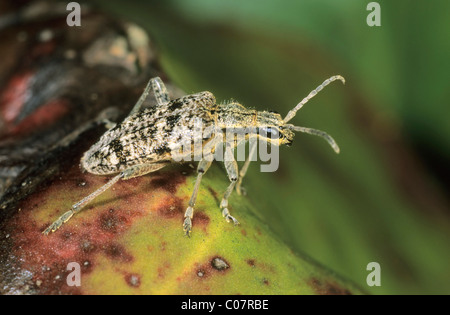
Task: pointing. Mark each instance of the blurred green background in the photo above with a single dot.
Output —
(385, 197)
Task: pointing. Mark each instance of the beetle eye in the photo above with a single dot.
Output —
(269, 132)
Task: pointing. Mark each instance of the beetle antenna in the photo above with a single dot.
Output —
(313, 93)
(316, 132)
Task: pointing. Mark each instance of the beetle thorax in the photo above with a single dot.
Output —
(234, 115)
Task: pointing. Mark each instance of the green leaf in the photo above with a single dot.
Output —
(130, 241)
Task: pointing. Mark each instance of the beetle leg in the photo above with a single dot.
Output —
(203, 166)
(244, 168)
(232, 171)
(159, 90)
(108, 123)
(131, 172)
(106, 115)
(79, 205)
(142, 169)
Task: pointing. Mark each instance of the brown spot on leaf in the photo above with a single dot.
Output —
(171, 207)
(118, 252)
(200, 273)
(162, 270)
(110, 222)
(328, 288)
(214, 194)
(81, 183)
(133, 280)
(215, 265)
(87, 246)
(200, 218)
(250, 262)
(66, 235)
(86, 267)
(169, 181)
(203, 271)
(220, 264)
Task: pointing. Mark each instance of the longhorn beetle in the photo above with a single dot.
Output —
(143, 142)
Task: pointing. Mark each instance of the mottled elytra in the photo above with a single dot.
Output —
(144, 141)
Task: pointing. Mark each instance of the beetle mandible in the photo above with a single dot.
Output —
(143, 142)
